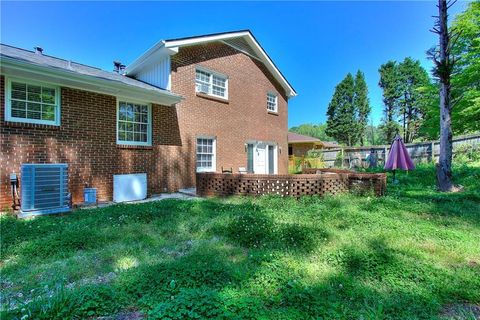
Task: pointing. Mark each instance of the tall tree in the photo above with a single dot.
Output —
(389, 82)
(443, 69)
(342, 122)
(465, 78)
(361, 105)
(412, 78)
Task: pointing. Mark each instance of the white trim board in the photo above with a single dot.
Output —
(170, 47)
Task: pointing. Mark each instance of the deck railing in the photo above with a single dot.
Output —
(316, 182)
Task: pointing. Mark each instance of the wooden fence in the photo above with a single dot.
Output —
(365, 156)
(315, 183)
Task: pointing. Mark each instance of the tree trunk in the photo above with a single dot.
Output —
(444, 166)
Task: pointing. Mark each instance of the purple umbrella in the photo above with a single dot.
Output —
(398, 157)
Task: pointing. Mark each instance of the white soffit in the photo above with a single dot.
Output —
(241, 40)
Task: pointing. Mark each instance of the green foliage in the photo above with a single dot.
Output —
(405, 98)
(348, 110)
(406, 255)
(198, 303)
(467, 153)
(361, 106)
(313, 130)
(413, 103)
(374, 136)
(464, 82)
(389, 80)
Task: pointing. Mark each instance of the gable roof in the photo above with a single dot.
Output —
(242, 40)
(18, 62)
(294, 138)
(300, 138)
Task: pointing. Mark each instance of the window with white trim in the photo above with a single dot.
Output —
(205, 154)
(134, 123)
(32, 102)
(213, 84)
(272, 104)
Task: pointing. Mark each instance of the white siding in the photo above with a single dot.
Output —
(157, 74)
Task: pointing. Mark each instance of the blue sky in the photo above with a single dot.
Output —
(315, 44)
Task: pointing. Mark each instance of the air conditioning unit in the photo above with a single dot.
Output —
(44, 189)
(203, 88)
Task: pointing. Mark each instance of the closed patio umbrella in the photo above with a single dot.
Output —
(398, 157)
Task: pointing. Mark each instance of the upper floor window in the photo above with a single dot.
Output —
(134, 124)
(272, 104)
(211, 83)
(32, 102)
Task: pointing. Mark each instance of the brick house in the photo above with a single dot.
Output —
(202, 103)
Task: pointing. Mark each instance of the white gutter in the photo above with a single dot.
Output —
(61, 77)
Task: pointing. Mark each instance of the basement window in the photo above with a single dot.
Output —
(211, 83)
(134, 124)
(32, 102)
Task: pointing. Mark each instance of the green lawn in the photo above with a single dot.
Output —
(413, 254)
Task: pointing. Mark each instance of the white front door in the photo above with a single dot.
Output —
(260, 158)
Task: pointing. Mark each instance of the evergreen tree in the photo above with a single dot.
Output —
(342, 117)
(390, 84)
(412, 78)
(361, 105)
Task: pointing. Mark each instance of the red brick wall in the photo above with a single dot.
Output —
(243, 117)
(86, 140)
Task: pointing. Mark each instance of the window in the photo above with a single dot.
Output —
(134, 124)
(32, 102)
(205, 154)
(272, 102)
(210, 83)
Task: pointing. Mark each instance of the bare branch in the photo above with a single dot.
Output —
(457, 100)
(451, 3)
(434, 30)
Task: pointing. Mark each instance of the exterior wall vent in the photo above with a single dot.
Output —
(44, 189)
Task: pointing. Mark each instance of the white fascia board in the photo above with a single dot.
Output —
(198, 40)
(153, 54)
(65, 78)
(250, 40)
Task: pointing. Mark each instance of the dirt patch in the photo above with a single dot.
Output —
(133, 315)
(461, 311)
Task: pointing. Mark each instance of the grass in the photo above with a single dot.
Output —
(409, 255)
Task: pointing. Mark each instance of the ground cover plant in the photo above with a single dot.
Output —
(413, 254)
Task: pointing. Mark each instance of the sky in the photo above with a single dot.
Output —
(314, 44)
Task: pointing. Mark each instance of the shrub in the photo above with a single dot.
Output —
(467, 153)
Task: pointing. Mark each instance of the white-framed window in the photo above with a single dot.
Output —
(32, 102)
(211, 83)
(134, 123)
(272, 102)
(206, 154)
